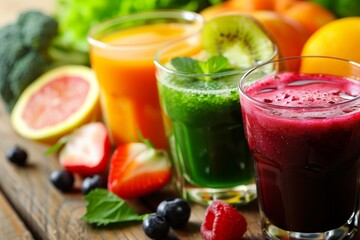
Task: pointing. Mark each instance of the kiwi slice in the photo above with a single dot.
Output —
(239, 38)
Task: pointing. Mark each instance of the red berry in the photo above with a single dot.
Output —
(223, 222)
(137, 169)
(87, 150)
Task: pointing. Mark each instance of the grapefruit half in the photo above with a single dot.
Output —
(56, 103)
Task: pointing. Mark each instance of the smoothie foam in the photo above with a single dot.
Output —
(192, 100)
(305, 90)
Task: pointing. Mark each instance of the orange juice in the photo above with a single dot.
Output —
(123, 63)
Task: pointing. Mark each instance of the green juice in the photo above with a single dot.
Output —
(204, 126)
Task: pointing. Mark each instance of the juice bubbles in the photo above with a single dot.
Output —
(303, 130)
(122, 52)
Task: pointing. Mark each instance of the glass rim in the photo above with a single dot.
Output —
(147, 14)
(204, 75)
(284, 59)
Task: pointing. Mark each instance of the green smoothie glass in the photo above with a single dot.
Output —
(203, 124)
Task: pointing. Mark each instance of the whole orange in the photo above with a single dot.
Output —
(253, 5)
(222, 8)
(288, 34)
(283, 5)
(339, 38)
(247, 6)
(231, 6)
(311, 15)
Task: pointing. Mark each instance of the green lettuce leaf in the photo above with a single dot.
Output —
(76, 17)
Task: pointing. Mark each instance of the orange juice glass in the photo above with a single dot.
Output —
(121, 53)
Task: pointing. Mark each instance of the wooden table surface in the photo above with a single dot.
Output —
(31, 208)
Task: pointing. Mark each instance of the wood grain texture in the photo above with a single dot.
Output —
(11, 226)
(54, 215)
(49, 213)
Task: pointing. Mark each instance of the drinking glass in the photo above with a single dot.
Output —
(204, 128)
(121, 53)
(303, 131)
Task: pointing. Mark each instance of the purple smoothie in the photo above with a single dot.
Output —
(306, 161)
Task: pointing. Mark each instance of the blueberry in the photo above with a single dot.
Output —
(62, 180)
(155, 227)
(176, 211)
(90, 183)
(17, 155)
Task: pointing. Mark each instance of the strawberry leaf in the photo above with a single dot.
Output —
(56, 147)
(105, 207)
(145, 140)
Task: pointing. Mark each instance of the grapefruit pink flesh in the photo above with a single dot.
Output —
(55, 101)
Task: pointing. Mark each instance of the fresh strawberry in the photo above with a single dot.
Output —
(137, 169)
(87, 150)
(223, 222)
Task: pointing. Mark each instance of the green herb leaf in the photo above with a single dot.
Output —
(186, 64)
(56, 147)
(214, 64)
(105, 207)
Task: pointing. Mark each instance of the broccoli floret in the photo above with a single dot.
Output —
(37, 29)
(12, 42)
(6, 94)
(20, 78)
(11, 49)
(24, 52)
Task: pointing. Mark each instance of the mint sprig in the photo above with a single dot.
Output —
(214, 64)
(186, 64)
(104, 208)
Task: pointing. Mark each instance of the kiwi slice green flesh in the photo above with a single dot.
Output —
(240, 38)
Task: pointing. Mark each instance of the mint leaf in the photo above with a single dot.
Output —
(186, 64)
(105, 207)
(214, 64)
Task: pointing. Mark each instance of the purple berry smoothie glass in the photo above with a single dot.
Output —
(303, 131)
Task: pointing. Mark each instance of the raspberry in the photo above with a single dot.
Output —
(222, 221)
